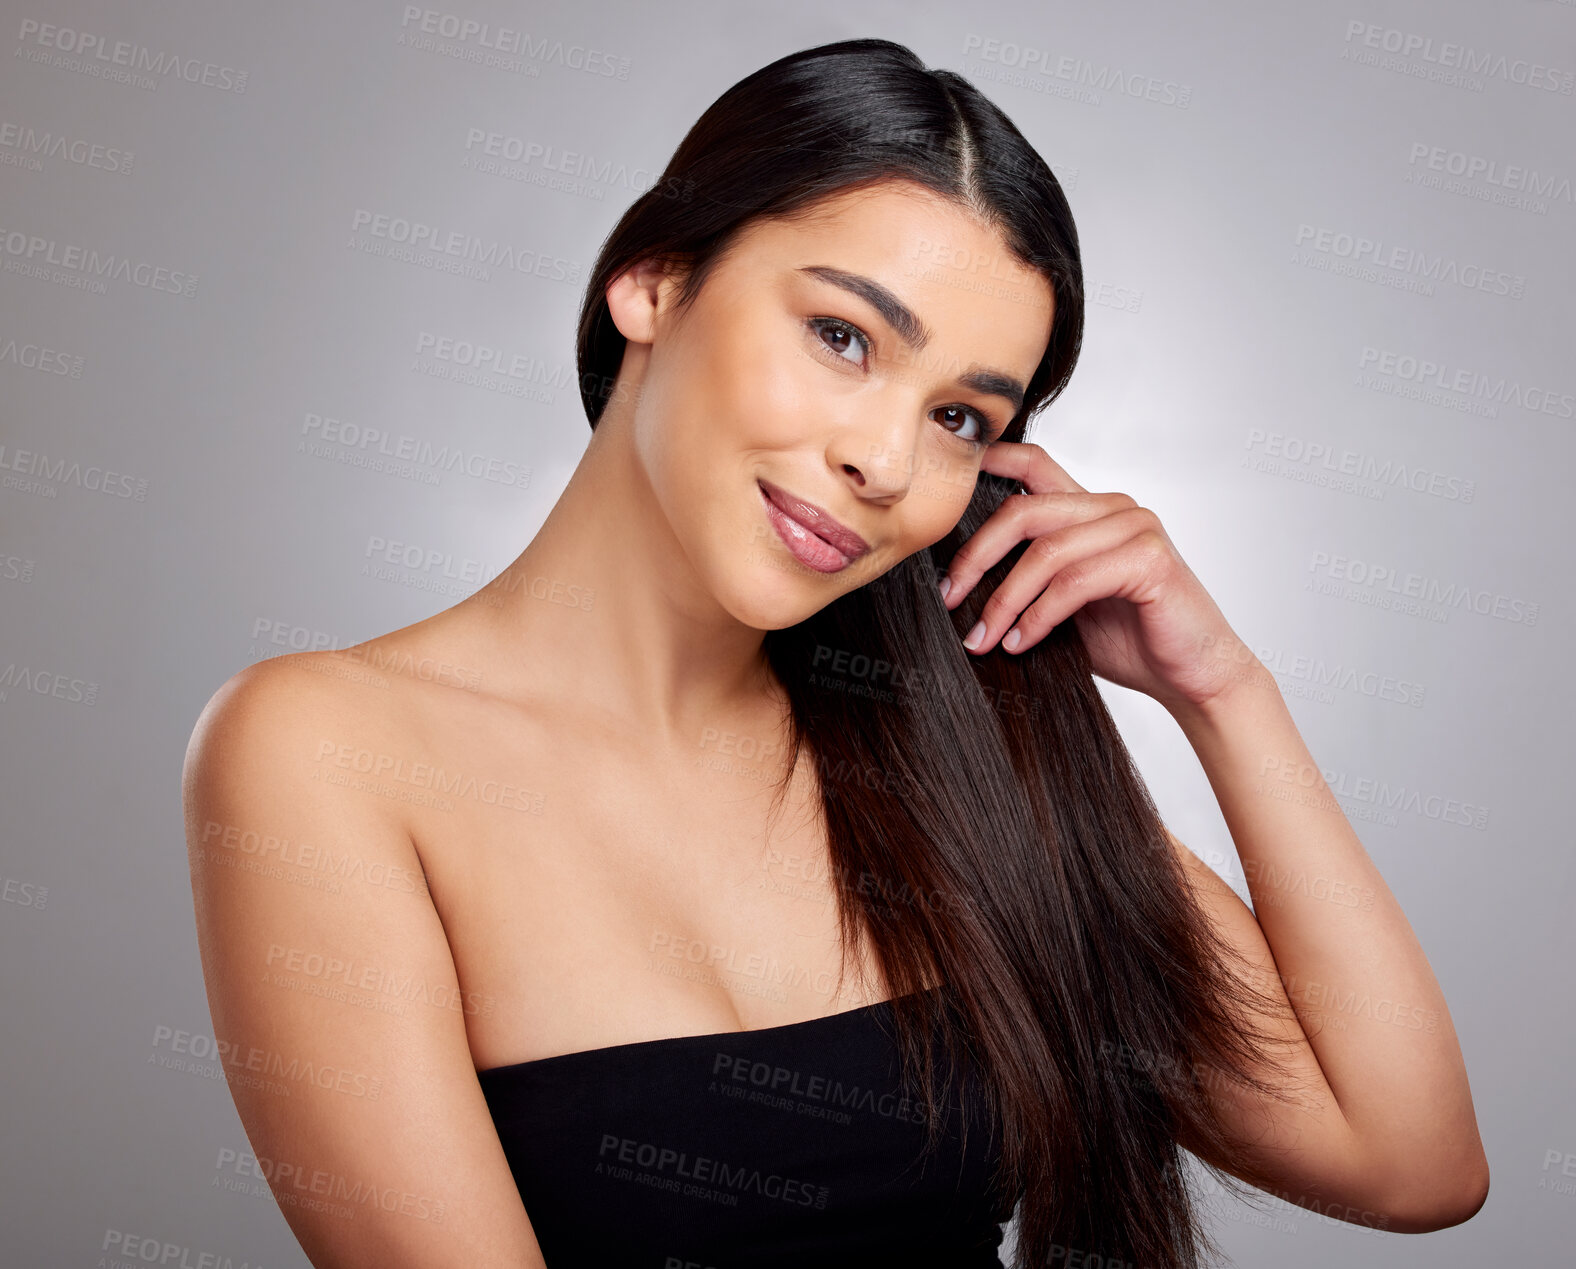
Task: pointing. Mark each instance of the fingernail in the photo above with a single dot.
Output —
(1013, 639)
(946, 586)
(974, 636)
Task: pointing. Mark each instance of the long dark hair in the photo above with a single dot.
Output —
(1021, 866)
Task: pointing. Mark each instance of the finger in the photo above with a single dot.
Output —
(1121, 573)
(1132, 565)
(1030, 466)
(1021, 516)
(1027, 598)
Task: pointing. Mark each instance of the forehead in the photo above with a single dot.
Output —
(953, 270)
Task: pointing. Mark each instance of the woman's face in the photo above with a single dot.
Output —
(859, 360)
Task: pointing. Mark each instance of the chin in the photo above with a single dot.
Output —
(775, 592)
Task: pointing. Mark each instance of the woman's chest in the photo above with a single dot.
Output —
(594, 902)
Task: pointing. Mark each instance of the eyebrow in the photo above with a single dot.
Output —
(914, 332)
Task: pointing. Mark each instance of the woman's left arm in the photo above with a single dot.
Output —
(1347, 959)
(1391, 1126)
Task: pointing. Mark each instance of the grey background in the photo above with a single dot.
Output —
(1225, 347)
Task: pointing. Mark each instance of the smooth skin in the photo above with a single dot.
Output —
(593, 866)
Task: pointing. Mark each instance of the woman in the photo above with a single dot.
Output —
(808, 563)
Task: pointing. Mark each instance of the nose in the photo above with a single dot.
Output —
(875, 448)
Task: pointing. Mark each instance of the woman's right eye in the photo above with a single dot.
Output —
(838, 337)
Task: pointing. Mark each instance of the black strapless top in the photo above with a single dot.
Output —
(793, 1146)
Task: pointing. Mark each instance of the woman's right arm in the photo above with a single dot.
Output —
(354, 1082)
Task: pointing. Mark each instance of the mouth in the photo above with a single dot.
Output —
(812, 534)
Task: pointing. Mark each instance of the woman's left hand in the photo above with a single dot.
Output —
(1147, 621)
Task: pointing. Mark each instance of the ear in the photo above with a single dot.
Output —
(634, 298)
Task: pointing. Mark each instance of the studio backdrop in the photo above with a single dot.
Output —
(287, 309)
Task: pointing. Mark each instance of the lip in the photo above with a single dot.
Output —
(819, 524)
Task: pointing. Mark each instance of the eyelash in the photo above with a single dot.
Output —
(986, 437)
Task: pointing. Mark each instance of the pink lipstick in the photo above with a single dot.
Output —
(815, 537)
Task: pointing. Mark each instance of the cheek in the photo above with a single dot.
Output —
(698, 413)
(936, 501)
(943, 484)
(774, 397)
(745, 386)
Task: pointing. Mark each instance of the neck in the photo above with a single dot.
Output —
(605, 596)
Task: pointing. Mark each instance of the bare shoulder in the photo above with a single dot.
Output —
(304, 934)
(270, 699)
(291, 720)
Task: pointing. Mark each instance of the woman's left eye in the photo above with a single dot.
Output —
(981, 423)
